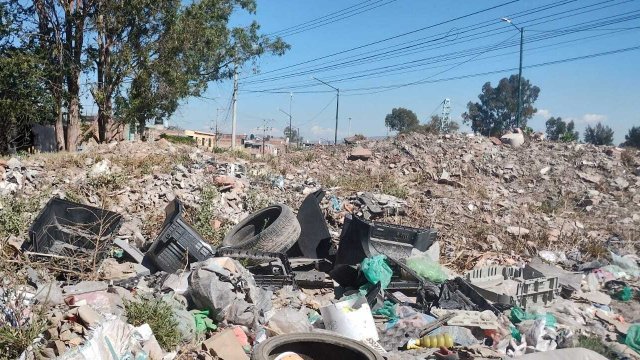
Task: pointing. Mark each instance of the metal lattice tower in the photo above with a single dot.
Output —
(446, 114)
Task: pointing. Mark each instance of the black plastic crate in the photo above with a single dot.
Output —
(67, 228)
(361, 239)
(178, 244)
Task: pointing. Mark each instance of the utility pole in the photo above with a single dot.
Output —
(264, 131)
(215, 129)
(298, 129)
(234, 100)
(519, 111)
(349, 132)
(290, 128)
(335, 138)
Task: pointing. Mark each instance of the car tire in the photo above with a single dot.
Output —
(314, 345)
(272, 229)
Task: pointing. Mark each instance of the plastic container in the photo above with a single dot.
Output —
(269, 270)
(514, 286)
(67, 228)
(178, 243)
(361, 239)
(347, 320)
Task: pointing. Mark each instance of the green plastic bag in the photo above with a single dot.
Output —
(625, 294)
(427, 268)
(388, 310)
(633, 337)
(518, 315)
(203, 321)
(376, 269)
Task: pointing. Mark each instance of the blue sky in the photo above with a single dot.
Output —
(602, 88)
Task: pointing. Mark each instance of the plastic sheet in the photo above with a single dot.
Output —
(518, 315)
(287, 321)
(376, 269)
(633, 337)
(427, 268)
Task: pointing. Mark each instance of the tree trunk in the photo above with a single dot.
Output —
(59, 128)
(73, 126)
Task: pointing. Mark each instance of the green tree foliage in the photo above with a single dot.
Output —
(633, 137)
(496, 111)
(183, 50)
(598, 135)
(24, 100)
(401, 120)
(559, 130)
(293, 135)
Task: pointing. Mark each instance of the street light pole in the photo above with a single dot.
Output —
(290, 128)
(335, 137)
(519, 111)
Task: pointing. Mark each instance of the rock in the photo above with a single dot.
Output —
(515, 139)
(597, 297)
(100, 168)
(14, 164)
(17, 178)
(495, 141)
(360, 153)
(545, 170)
(445, 178)
(89, 317)
(592, 178)
(517, 231)
(620, 183)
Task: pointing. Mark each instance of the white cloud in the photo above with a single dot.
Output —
(543, 113)
(593, 118)
(321, 131)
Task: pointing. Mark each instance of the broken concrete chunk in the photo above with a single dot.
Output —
(14, 164)
(592, 178)
(360, 153)
(225, 346)
(517, 231)
(545, 170)
(620, 183)
(515, 139)
(89, 317)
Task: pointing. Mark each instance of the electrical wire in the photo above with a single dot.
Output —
(471, 37)
(389, 69)
(399, 35)
(345, 16)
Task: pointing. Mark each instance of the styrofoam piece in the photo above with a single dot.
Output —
(485, 320)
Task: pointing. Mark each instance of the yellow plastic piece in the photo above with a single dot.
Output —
(435, 341)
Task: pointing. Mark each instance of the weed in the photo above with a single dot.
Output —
(202, 217)
(108, 182)
(255, 201)
(15, 340)
(383, 183)
(595, 344)
(159, 315)
(14, 214)
(176, 139)
(627, 158)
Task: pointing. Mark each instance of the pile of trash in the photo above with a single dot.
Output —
(309, 268)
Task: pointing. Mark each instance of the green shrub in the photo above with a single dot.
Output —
(159, 315)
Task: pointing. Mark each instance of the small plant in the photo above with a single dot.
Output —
(108, 182)
(176, 139)
(255, 201)
(627, 159)
(159, 315)
(202, 217)
(595, 344)
(14, 214)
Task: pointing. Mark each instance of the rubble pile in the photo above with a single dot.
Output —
(418, 247)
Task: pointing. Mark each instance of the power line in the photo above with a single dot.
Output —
(399, 35)
(319, 113)
(548, 63)
(342, 17)
(389, 69)
(431, 44)
(312, 21)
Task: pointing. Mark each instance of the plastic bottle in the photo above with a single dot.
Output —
(431, 341)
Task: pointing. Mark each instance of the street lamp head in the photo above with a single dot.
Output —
(506, 20)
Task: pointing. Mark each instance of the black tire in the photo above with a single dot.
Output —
(273, 229)
(314, 346)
